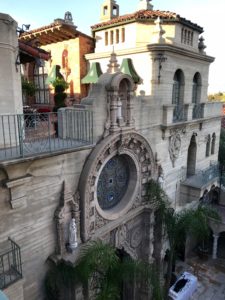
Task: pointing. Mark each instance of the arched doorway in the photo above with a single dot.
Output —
(221, 245)
(191, 159)
(127, 287)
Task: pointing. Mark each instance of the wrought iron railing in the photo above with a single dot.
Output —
(10, 265)
(197, 112)
(35, 133)
(178, 113)
(203, 177)
(210, 173)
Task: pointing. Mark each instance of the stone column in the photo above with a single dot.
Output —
(113, 110)
(10, 83)
(215, 244)
(130, 108)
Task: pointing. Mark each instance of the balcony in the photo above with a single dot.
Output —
(197, 112)
(190, 112)
(193, 187)
(10, 264)
(37, 133)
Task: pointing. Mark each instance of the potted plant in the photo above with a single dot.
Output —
(60, 85)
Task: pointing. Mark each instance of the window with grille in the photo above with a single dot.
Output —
(42, 90)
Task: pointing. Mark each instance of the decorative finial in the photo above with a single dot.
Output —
(113, 66)
(158, 32)
(201, 45)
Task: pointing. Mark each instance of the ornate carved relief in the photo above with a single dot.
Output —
(136, 237)
(99, 221)
(175, 144)
(138, 150)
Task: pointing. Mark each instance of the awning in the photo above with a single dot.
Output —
(127, 67)
(29, 53)
(93, 74)
(54, 73)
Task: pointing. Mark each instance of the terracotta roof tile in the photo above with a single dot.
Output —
(68, 30)
(147, 15)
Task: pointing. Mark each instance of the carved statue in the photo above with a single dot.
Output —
(73, 235)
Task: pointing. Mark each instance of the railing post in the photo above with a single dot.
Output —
(20, 134)
(49, 132)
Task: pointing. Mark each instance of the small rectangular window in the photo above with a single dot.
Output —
(105, 10)
(106, 38)
(117, 36)
(111, 37)
(123, 35)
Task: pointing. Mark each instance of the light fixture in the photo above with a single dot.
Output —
(22, 29)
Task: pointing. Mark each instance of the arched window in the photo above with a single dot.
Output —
(196, 88)
(196, 95)
(178, 95)
(213, 143)
(191, 159)
(207, 152)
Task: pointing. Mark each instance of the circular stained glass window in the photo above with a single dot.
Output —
(113, 182)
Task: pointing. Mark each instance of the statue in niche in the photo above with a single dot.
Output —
(73, 235)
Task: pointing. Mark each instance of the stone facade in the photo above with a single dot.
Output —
(103, 186)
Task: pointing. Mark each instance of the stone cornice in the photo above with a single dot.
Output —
(152, 48)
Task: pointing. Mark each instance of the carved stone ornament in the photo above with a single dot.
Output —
(121, 241)
(120, 236)
(138, 153)
(136, 237)
(174, 145)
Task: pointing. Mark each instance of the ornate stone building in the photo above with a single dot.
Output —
(151, 120)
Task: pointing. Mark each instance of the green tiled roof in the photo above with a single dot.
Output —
(93, 74)
(127, 67)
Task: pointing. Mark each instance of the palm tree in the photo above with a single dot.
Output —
(177, 225)
(101, 269)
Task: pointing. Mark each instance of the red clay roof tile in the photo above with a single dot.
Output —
(147, 15)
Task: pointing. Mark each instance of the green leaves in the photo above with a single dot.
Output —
(60, 85)
(28, 87)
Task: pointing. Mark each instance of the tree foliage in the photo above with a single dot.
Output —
(178, 225)
(217, 97)
(101, 269)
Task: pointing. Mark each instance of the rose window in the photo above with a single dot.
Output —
(113, 182)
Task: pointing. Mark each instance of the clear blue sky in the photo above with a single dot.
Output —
(207, 13)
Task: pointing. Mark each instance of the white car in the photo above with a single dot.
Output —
(184, 287)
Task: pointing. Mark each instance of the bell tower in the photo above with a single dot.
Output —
(109, 10)
(145, 4)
